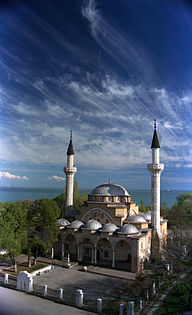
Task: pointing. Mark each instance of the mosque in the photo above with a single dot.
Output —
(108, 229)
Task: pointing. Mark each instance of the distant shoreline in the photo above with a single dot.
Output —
(13, 194)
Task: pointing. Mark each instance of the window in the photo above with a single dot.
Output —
(109, 199)
(106, 221)
(98, 219)
(141, 245)
(106, 254)
(100, 199)
(118, 199)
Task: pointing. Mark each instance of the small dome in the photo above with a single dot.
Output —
(63, 222)
(128, 229)
(109, 189)
(75, 225)
(136, 219)
(109, 227)
(92, 225)
(147, 215)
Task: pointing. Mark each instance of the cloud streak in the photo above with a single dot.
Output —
(118, 45)
(58, 178)
(8, 175)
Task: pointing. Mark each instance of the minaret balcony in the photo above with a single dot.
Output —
(155, 167)
(70, 170)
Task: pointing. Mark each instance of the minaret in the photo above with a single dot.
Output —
(155, 169)
(69, 171)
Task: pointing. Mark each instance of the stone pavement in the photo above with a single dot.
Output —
(94, 285)
(112, 273)
(93, 269)
(16, 303)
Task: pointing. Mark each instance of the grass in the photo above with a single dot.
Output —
(24, 267)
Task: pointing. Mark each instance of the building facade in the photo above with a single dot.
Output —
(108, 229)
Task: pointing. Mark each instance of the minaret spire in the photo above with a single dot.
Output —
(155, 142)
(70, 150)
(70, 170)
(155, 169)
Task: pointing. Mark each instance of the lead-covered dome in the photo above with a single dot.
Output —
(147, 215)
(109, 228)
(136, 219)
(92, 225)
(128, 229)
(75, 224)
(109, 189)
(63, 222)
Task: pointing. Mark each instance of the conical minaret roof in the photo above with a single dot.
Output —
(155, 142)
(70, 150)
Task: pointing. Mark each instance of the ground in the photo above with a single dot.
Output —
(22, 303)
(94, 285)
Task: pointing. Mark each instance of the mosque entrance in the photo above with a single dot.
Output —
(104, 253)
(123, 255)
(98, 255)
(87, 251)
(70, 247)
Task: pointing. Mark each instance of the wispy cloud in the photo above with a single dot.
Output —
(118, 45)
(61, 87)
(57, 178)
(8, 175)
(102, 127)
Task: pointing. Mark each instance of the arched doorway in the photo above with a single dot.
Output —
(123, 255)
(70, 247)
(104, 253)
(24, 281)
(87, 251)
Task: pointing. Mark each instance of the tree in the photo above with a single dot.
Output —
(77, 199)
(76, 196)
(60, 201)
(43, 227)
(13, 229)
(184, 197)
(180, 214)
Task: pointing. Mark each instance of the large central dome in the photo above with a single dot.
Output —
(109, 189)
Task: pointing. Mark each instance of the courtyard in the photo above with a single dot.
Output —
(93, 285)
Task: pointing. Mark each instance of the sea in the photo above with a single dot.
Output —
(168, 197)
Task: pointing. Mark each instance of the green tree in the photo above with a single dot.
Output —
(184, 197)
(76, 197)
(43, 228)
(13, 229)
(180, 214)
(60, 201)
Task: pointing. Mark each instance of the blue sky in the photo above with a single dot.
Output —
(105, 69)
